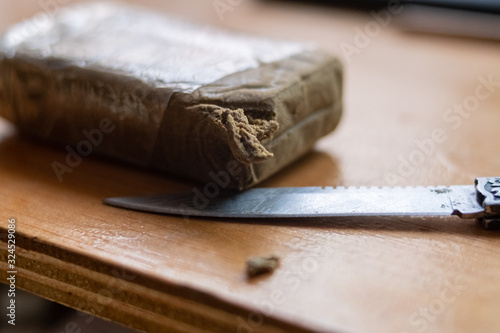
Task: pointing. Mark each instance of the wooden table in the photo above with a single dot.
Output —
(159, 273)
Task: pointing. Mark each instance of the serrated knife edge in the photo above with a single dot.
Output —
(465, 201)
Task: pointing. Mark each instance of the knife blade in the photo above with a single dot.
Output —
(478, 201)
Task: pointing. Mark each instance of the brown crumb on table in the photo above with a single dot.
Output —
(260, 265)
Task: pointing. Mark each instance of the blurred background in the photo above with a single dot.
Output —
(399, 56)
(38, 315)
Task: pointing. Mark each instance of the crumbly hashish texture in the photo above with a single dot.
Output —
(244, 133)
(261, 265)
(178, 101)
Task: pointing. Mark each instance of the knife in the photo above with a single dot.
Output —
(480, 201)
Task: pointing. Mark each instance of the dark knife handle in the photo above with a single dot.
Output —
(488, 195)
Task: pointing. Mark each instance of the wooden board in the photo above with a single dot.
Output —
(158, 273)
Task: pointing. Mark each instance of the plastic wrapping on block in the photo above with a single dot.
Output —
(179, 97)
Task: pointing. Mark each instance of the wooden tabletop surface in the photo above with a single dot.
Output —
(166, 274)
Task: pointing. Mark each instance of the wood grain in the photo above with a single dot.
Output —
(159, 273)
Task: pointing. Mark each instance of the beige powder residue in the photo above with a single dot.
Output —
(244, 133)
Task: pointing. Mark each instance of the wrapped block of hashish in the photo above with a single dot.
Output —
(162, 93)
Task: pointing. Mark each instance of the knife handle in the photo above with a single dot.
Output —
(488, 196)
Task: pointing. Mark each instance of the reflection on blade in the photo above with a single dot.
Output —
(311, 202)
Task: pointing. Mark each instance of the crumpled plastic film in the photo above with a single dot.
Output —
(175, 96)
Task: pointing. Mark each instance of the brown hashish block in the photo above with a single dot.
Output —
(155, 91)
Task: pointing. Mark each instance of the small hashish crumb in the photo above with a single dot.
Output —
(260, 265)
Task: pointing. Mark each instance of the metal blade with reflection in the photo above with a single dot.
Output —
(480, 201)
